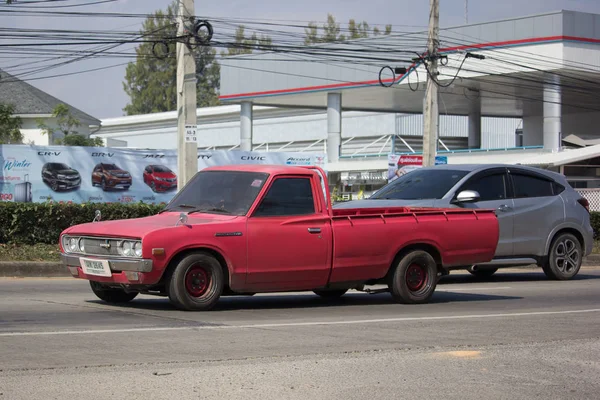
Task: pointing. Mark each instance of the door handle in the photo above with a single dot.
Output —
(504, 207)
(314, 230)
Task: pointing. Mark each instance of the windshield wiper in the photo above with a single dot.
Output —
(214, 209)
(177, 206)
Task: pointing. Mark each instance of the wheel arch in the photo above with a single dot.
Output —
(570, 228)
(179, 255)
(430, 248)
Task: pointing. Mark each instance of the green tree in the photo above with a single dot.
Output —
(246, 45)
(66, 124)
(333, 33)
(10, 126)
(151, 82)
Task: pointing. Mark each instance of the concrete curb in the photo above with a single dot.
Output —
(29, 269)
(32, 269)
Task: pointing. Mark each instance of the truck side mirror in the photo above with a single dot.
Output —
(467, 196)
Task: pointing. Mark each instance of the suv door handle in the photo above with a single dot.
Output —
(504, 207)
(314, 230)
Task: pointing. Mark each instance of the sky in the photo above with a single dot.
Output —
(100, 93)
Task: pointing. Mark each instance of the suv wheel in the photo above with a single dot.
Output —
(564, 257)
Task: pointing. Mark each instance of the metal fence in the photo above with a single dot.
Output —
(593, 196)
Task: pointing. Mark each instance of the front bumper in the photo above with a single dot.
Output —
(125, 271)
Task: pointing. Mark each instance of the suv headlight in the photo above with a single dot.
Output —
(130, 248)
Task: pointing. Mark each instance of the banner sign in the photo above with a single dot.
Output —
(102, 174)
(400, 164)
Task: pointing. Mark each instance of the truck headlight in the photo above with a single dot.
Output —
(130, 248)
(71, 244)
(138, 249)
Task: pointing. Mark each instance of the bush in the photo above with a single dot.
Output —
(33, 223)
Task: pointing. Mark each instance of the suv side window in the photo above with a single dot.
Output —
(531, 186)
(490, 187)
(287, 197)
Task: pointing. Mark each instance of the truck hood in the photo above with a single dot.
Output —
(139, 227)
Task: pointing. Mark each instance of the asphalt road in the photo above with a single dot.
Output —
(517, 336)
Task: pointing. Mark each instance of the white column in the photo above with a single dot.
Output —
(552, 115)
(474, 141)
(334, 126)
(246, 126)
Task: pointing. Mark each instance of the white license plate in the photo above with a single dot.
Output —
(95, 267)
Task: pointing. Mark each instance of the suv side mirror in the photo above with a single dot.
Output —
(467, 196)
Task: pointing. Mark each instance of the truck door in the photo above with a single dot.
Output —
(289, 242)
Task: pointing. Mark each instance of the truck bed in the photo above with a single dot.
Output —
(367, 239)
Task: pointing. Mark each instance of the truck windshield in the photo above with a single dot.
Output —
(230, 192)
(421, 184)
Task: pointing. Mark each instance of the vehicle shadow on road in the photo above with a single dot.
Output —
(307, 301)
(499, 277)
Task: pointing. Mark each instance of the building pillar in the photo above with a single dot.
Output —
(474, 141)
(552, 115)
(246, 123)
(334, 126)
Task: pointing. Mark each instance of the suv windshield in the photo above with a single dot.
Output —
(231, 192)
(109, 167)
(421, 184)
(58, 166)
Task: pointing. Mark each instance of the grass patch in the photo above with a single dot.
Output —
(36, 252)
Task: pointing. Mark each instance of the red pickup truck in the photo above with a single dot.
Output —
(245, 229)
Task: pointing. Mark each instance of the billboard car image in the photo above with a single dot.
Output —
(160, 178)
(60, 176)
(109, 176)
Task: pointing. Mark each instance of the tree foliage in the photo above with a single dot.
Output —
(10, 126)
(246, 45)
(66, 124)
(151, 82)
(331, 31)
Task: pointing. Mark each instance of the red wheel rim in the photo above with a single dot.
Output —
(416, 276)
(197, 281)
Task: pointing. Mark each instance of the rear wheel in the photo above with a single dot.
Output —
(482, 272)
(196, 283)
(414, 278)
(330, 294)
(112, 295)
(564, 257)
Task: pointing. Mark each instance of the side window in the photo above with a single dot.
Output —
(489, 187)
(287, 197)
(531, 186)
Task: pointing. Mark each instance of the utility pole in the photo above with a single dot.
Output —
(430, 106)
(187, 141)
(466, 11)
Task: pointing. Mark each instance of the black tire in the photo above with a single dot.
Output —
(482, 272)
(330, 294)
(414, 278)
(196, 283)
(564, 257)
(153, 186)
(112, 295)
(54, 186)
(103, 184)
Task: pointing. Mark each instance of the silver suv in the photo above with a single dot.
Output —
(542, 219)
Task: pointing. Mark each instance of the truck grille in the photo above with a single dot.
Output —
(97, 246)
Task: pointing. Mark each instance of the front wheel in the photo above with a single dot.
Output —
(196, 283)
(414, 278)
(330, 294)
(112, 295)
(564, 258)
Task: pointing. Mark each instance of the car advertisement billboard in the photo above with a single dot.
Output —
(99, 174)
(400, 164)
